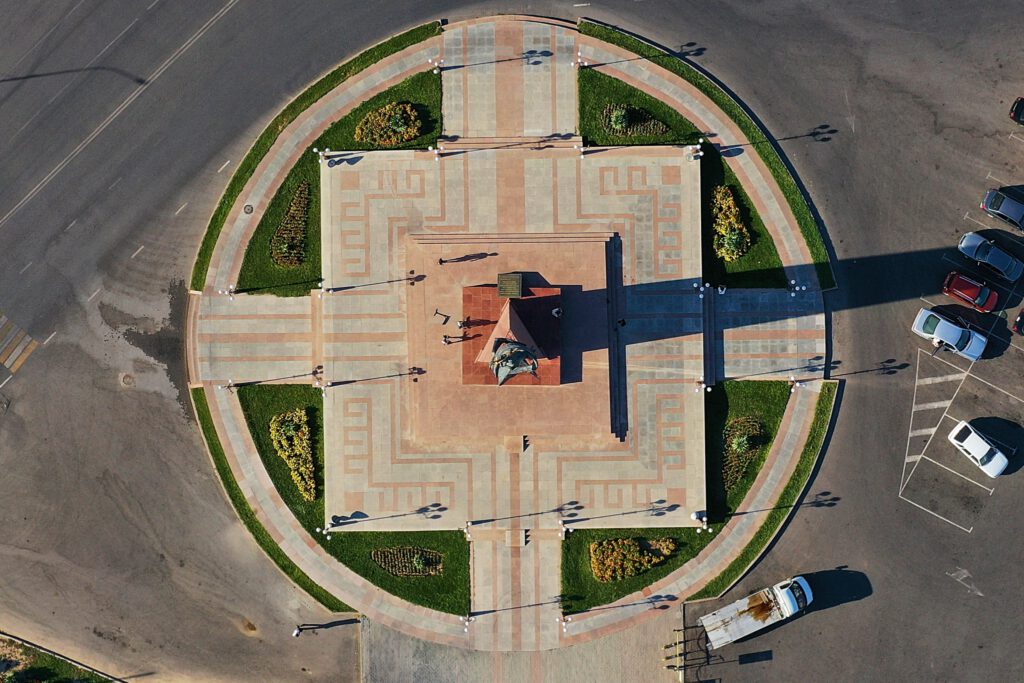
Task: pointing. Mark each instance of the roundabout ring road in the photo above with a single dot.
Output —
(120, 548)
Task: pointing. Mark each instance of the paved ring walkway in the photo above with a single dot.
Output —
(272, 512)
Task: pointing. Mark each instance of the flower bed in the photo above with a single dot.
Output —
(391, 125)
(409, 561)
(630, 121)
(289, 432)
(288, 245)
(731, 239)
(615, 559)
(743, 438)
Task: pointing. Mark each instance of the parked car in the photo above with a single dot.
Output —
(1000, 205)
(977, 295)
(986, 253)
(978, 450)
(941, 331)
(1017, 111)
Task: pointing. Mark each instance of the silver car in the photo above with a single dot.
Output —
(1000, 205)
(986, 253)
(941, 331)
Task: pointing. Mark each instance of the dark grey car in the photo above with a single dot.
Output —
(985, 252)
(1000, 205)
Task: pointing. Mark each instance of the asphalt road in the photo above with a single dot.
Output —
(119, 547)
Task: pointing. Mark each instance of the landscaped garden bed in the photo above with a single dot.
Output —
(759, 141)
(267, 138)
(759, 265)
(407, 116)
(23, 664)
(760, 401)
(379, 556)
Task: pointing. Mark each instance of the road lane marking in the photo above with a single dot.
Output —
(153, 4)
(71, 225)
(52, 335)
(81, 71)
(943, 378)
(138, 250)
(181, 208)
(935, 514)
(224, 165)
(47, 34)
(9, 378)
(27, 266)
(117, 112)
(115, 183)
(932, 405)
(93, 295)
(923, 432)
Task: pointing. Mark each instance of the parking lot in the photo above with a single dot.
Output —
(937, 478)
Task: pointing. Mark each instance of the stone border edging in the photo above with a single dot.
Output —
(755, 123)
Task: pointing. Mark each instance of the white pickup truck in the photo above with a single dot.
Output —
(755, 612)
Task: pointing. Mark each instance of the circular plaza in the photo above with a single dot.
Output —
(445, 377)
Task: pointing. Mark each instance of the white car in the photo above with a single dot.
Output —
(978, 450)
(937, 329)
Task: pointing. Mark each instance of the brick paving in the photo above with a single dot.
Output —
(615, 230)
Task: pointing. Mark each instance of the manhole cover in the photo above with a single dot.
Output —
(127, 380)
(247, 208)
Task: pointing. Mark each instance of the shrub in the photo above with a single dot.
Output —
(391, 125)
(743, 438)
(409, 561)
(629, 121)
(288, 245)
(731, 238)
(615, 559)
(289, 432)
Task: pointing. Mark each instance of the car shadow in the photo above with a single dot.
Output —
(1007, 435)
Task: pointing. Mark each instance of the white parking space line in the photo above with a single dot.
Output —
(962, 476)
(927, 431)
(967, 216)
(71, 225)
(224, 165)
(181, 208)
(933, 405)
(114, 184)
(912, 458)
(93, 295)
(989, 176)
(1014, 136)
(27, 266)
(138, 250)
(943, 378)
(962, 576)
(52, 335)
(935, 514)
(9, 378)
(926, 301)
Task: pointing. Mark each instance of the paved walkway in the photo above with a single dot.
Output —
(634, 193)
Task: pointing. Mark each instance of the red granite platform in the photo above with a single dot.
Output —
(482, 305)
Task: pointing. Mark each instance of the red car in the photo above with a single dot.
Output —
(977, 295)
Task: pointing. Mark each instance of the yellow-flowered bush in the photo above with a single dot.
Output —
(289, 432)
(391, 125)
(731, 239)
(615, 559)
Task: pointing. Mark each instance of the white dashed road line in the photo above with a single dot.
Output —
(224, 165)
(6, 381)
(27, 266)
(181, 208)
(71, 225)
(52, 335)
(138, 250)
(93, 295)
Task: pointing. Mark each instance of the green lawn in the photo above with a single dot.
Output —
(41, 666)
(267, 138)
(764, 400)
(248, 517)
(260, 275)
(448, 592)
(786, 502)
(760, 141)
(761, 266)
